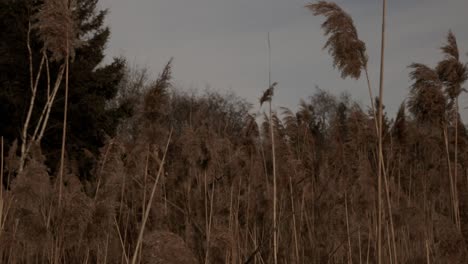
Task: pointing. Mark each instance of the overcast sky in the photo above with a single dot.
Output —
(223, 43)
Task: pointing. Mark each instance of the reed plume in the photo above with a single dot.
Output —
(57, 28)
(453, 74)
(343, 44)
(426, 102)
(268, 93)
(451, 71)
(154, 103)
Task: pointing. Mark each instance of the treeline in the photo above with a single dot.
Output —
(154, 174)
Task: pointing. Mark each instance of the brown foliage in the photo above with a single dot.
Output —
(162, 247)
(213, 198)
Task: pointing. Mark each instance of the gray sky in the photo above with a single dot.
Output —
(222, 43)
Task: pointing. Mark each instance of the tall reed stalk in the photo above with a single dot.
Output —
(381, 88)
(33, 86)
(150, 202)
(275, 195)
(350, 57)
(1, 186)
(64, 131)
(267, 97)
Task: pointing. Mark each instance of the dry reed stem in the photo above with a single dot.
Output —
(1, 187)
(390, 211)
(350, 253)
(205, 193)
(453, 74)
(296, 243)
(247, 213)
(428, 258)
(106, 249)
(275, 226)
(231, 219)
(369, 242)
(44, 118)
(455, 169)
(54, 23)
(64, 131)
(122, 242)
(209, 217)
(359, 245)
(1, 167)
(143, 202)
(98, 184)
(382, 58)
(33, 86)
(452, 184)
(153, 191)
(341, 27)
(389, 248)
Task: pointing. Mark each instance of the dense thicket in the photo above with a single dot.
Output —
(213, 198)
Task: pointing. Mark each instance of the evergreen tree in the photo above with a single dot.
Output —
(92, 84)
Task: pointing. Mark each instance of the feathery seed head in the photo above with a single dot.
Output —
(451, 71)
(268, 94)
(57, 28)
(348, 51)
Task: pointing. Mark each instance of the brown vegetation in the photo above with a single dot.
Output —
(196, 179)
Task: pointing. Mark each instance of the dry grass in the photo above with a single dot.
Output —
(195, 179)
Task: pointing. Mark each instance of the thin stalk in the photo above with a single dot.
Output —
(42, 124)
(369, 242)
(1, 186)
(247, 213)
(231, 218)
(106, 249)
(275, 227)
(389, 248)
(377, 123)
(455, 169)
(122, 243)
(359, 244)
(64, 132)
(33, 86)
(47, 73)
(269, 60)
(206, 216)
(122, 192)
(392, 229)
(371, 97)
(153, 191)
(237, 224)
(452, 191)
(379, 174)
(101, 169)
(350, 254)
(296, 243)
(143, 203)
(1, 168)
(428, 258)
(210, 219)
